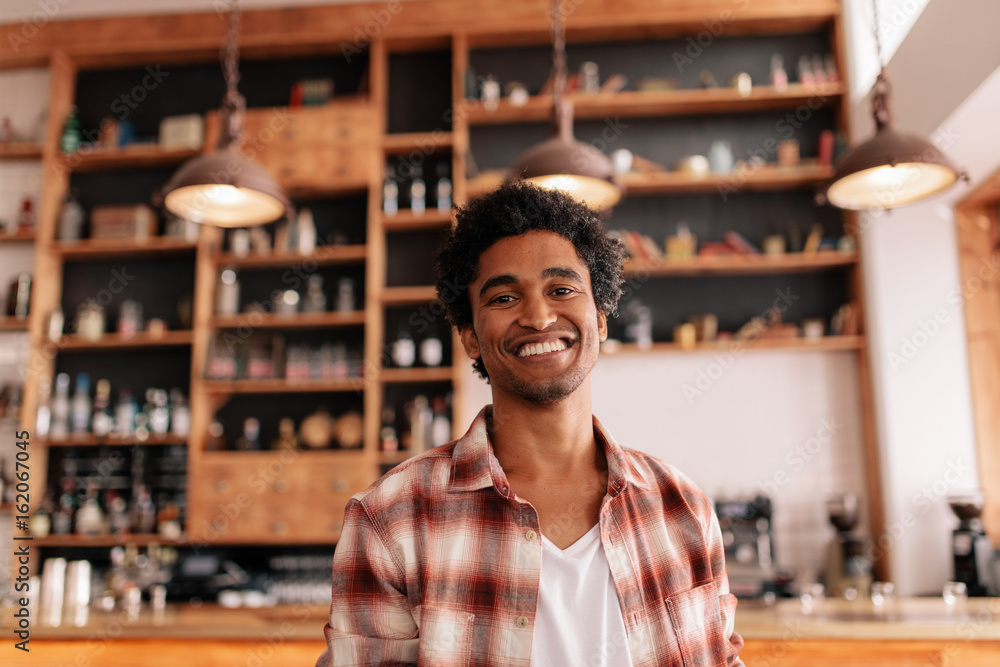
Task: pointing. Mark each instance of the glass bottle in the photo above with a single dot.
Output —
(443, 190)
(227, 298)
(431, 350)
(71, 218)
(180, 414)
(125, 413)
(286, 441)
(421, 418)
(159, 412)
(345, 295)
(143, 513)
(90, 518)
(779, 77)
(62, 519)
(250, 440)
(43, 417)
(306, 232)
(102, 423)
(70, 141)
(418, 196)
(60, 407)
(81, 407)
(26, 218)
(441, 423)
(315, 300)
(390, 194)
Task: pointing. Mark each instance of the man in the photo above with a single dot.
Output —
(535, 539)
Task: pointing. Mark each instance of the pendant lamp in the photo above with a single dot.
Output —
(225, 189)
(562, 162)
(892, 169)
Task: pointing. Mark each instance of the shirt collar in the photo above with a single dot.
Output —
(475, 466)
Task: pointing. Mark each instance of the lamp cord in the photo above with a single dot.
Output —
(233, 104)
(881, 89)
(559, 68)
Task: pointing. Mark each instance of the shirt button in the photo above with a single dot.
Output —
(522, 621)
(530, 535)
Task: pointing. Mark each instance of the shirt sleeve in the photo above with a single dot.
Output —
(370, 618)
(727, 601)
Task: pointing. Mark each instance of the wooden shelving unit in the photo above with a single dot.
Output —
(353, 164)
(437, 374)
(631, 104)
(408, 296)
(16, 238)
(428, 142)
(132, 441)
(324, 256)
(739, 265)
(115, 341)
(20, 150)
(297, 321)
(98, 249)
(103, 541)
(8, 323)
(129, 157)
(824, 344)
(407, 221)
(281, 386)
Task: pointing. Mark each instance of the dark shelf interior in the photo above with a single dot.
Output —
(270, 409)
(421, 323)
(146, 95)
(163, 285)
(419, 92)
(410, 257)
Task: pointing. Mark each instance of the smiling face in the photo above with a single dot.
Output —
(535, 325)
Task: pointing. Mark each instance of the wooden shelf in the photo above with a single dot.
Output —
(824, 344)
(737, 265)
(131, 441)
(138, 155)
(13, 324)
(633, 103)
(116, 341)
(407, 221)
(16, 238)
(281, 386)
(323, 256)
(426, 142)
(436, 374)
(769, 177)
(408, 296)
(104, 541)
(97, 249)
(267, 456)
(20, 150)
(297, 321)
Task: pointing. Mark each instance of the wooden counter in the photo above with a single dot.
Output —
(910, 633)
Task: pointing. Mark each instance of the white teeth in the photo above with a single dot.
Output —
(532, 349)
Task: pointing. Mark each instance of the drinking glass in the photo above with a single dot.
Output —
(954, 592)
(882, 592)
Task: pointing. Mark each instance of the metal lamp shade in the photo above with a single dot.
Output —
(888, 171)
(225, 190)
(576, 168)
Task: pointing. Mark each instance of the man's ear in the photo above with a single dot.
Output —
(470, 342)
(602, 326)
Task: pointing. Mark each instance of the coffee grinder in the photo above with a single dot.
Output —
(848, 571)
(971, 548)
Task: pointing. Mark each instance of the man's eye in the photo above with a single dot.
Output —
(503, 298)
(562, 291)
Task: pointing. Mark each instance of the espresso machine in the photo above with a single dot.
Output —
(848, 570)
(749, 545)
(971, 548)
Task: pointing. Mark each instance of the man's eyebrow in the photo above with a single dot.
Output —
(503, 279)
(562, 272)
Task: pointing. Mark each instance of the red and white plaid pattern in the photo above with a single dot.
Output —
(438, 565)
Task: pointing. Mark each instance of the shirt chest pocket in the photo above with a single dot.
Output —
(445, 637)
(697, 624)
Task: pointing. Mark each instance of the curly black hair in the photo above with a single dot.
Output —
(511, 210)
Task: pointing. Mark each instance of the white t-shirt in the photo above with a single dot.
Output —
(579, 619)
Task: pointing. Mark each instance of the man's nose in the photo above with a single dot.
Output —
(537, 313)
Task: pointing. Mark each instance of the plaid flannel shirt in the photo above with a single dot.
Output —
(438, 564)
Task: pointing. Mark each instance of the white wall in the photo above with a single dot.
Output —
(779, 422)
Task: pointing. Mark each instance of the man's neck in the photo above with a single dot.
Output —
(533, 441)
